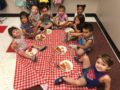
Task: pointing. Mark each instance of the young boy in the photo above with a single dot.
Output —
(85, 40)
(19, 45)
(28, 29)
(102, 65)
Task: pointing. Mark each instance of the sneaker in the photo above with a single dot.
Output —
(42, 48)
(76, 58)
(59, 80)
(34, 58)
(73, 46)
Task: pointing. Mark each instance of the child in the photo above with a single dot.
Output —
(102, 65)
(80, 9)
(77, 26)
(61, 19)
(19, 44)
(34, 16)
(29, 30)
(45, 17)
(85, 41)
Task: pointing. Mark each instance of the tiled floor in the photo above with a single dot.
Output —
(8, 60)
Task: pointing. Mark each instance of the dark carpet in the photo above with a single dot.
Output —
(101, 46)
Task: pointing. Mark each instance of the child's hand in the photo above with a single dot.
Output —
(14, 45)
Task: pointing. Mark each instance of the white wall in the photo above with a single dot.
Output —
(70, 6)
(11, 8)
(109, 14)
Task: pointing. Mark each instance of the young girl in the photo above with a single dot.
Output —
(29, 30)
(34, 16)
(102, 65)
(45, 17)
(85, 41)
(77, 26)
(61, 19)
(80, 9)
(19, 45)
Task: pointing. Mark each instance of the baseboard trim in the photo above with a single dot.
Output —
(87, 15)
(106, 34)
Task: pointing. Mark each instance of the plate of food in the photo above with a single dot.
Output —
(68, 30)
(61, 50)
(40, 37)
(48, 31)
(31, 51)
(66, 65)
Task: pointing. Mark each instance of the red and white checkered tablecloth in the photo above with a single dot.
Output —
(29, 74)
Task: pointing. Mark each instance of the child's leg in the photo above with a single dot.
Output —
(48, 26)
(86, 61)
(79, 82)
(23, 54)
(40, 48)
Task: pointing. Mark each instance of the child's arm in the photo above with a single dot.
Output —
(14, 45)
(76, 34)
(24, 32)
(78, 82)
(86, 45)
(107, 80)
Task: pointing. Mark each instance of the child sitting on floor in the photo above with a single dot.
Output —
(85, 41)
(80, 10)
(45, 17)
(77, 26)
(34, 16)
(19, 45)
(61, 19)
(28, 29)
(102, 65)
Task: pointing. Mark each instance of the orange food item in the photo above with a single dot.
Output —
(63, 66)
(58, 49)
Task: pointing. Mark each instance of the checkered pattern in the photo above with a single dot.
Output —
(29, 74)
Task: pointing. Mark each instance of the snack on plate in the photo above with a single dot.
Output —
(31, 51)
(68, 30)
(61, 49)
(40, 37)
(66, 65)
(48, 31)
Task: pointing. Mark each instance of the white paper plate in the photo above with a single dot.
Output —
(48, 31)
(66, 65)
(32, 52)
(67, 30)
(39, 37)
(62, 51)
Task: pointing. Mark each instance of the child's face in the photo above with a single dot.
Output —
(24, 20)
(16, 33)
(86, 33)
(101, 65)
(61, 11)
(77, 21)
(44, 11)
(34, 10)
(79, 10)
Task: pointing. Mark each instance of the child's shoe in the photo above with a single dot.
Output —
(59, 80)
(42, 48)
(76, 58)
(73, 46)
(34, 58)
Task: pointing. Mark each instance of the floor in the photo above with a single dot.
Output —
(8, 60)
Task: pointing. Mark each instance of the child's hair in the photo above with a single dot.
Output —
(83, 6)
(34, 6)
(62, 7)
(107, 59)
(81, 18)
(24, 14)
(10, 30)
(44, 5)
(88, 26)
